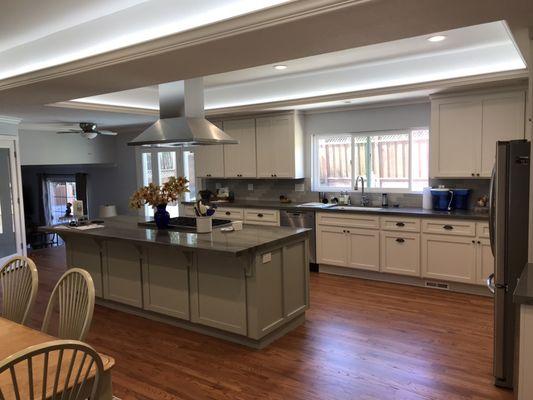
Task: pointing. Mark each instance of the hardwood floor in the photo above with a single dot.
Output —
(361, 340)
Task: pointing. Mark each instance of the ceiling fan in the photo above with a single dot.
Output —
(88, 130)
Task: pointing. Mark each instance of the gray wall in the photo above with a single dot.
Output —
(49, 148)
(9, 129)
(106, 184)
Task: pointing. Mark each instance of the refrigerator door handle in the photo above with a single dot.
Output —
(492, 210)
(490, 283)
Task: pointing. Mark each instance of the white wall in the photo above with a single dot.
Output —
(49, 148)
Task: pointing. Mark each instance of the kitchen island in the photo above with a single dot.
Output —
(249, 286)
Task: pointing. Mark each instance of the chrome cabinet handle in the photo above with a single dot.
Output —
(490, 283)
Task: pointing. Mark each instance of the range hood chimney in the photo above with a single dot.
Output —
(181, 119)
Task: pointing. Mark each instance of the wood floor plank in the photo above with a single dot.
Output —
(361, 340)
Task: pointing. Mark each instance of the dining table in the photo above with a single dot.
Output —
(15, 337)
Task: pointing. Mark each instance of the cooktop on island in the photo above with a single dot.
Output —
(186, 223)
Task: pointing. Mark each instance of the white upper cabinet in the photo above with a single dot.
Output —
(464, 131)
(503, 119)
(239, 159)
(209, 160)
(280, 147)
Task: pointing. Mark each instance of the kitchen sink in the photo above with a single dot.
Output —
(357, 208)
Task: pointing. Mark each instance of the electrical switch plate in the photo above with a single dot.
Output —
(267, 257)
(250, 186)
(299, 187)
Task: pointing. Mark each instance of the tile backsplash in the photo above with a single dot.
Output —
(269, 190)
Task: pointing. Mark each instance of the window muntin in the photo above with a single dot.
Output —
(388, 161)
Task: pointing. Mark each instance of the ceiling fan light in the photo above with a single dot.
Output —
(89, 135)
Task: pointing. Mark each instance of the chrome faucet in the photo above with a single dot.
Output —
(365, 201)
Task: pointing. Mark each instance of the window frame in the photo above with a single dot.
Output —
(155, 168)
(315, 185)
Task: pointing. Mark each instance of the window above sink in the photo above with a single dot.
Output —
(389, 161)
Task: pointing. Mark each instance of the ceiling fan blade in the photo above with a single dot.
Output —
(70, 131)
(107, 133)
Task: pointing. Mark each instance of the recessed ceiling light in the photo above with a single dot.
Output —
(437, 38)
(347, 101)
(280, 67)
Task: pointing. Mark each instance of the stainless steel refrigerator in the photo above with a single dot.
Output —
(509, 225)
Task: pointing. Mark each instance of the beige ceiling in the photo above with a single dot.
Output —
(291, 31)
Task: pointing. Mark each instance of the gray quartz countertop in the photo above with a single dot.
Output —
(250, 238)
(523, 293)
(399, 211)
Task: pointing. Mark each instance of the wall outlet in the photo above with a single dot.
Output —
(250, 187)
(218, 185)
(267, 257)
(299, 187)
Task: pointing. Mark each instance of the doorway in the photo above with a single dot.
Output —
(11, 242)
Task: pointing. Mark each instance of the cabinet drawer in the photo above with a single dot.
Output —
(259, 216)
(400, 253)
(230, 213)
(348, 220)
(449, 227)
(391, 223)
(483, 230)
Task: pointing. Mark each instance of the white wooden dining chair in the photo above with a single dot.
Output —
(60, 369)
(19, 281)
(74, 296)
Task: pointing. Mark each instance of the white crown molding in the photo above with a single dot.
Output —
(80, 105)
(9, 120)
(291, 11)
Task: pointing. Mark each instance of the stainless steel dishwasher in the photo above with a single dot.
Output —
(302, 219)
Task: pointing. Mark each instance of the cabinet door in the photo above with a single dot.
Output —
(275, 147)
(400, 253)
(449, 258)
(122, 279)
(218, 292)
(166, 282)
(332, 245)
(503, 119)
(485, 261)
(85, 253)
(209, 160)
(239, 159)
(363, 249)
(455, 138)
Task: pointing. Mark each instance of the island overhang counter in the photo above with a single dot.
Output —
(249, 286)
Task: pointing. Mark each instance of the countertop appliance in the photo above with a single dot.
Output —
(442, 199)
(302, 219)
(508, 225)
(186, 223)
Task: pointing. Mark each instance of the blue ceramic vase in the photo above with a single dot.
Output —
(162, 216)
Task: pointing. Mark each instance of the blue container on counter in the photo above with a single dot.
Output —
(460, 198)
(442, 199)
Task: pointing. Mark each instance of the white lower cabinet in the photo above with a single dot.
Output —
(448, 257)
(400, 253)
(485, 261)
(363, 249)
(348, 247)
(331, 245)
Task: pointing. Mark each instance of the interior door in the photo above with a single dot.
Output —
(10, 221)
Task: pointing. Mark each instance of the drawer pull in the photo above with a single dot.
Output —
(260, 215)
(448, 227)
(400, 224)
(228, 213)
(400, 240)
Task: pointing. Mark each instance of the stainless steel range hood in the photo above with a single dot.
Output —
(182, 122)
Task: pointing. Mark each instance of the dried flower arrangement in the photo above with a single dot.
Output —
(156, 195)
